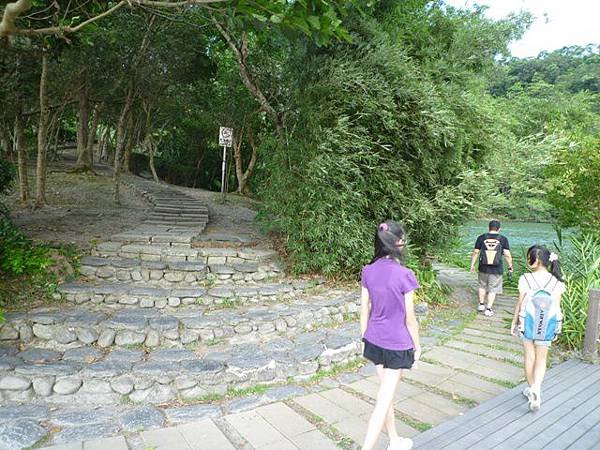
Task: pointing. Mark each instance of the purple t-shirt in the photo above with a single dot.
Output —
(387, 282)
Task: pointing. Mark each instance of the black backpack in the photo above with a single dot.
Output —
(491, 250)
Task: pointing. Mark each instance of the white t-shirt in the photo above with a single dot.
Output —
(540, 280)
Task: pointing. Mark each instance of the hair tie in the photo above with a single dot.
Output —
(384, 226)
(553, 257)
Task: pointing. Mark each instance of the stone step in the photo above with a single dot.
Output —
(177, 222)
(87, 375)
(181, 213)
(122, 295)
(176, 273)
(215, 239)
(104, 327)
(182, 252)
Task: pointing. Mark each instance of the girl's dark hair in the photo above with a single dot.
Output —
(542, 254)
(386, 237)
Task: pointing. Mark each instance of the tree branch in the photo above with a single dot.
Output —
(63, 30)
(12, 11)
(241, 54)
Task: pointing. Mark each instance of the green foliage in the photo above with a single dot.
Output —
(572, 182)
(7, 176)
(17, 253)
(581, 265)
(431, 290)
(550, 107)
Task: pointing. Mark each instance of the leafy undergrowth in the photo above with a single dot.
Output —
(30, 272)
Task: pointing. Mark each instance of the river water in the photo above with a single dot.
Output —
(519, 234)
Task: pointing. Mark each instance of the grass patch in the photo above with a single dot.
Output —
(230, 303)
(413, 423)
(252, 390)
(125, 400)
(335, 370)
(232, 392)
(207, 398)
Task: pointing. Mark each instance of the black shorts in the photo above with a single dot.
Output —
(389, 359)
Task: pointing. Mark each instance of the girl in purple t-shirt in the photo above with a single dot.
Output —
(389, 327)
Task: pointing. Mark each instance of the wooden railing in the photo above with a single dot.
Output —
(592, 326)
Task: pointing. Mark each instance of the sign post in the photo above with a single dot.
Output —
(225, 140)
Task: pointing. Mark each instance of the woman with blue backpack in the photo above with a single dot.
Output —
(538, 317)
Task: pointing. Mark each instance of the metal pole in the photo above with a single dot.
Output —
(223, 172)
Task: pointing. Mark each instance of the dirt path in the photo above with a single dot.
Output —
(80, 209)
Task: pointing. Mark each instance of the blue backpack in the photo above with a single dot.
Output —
(541, 318)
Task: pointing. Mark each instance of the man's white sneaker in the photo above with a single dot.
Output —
(535, 400)
(481, 307)
(401, 444)
(488, 312)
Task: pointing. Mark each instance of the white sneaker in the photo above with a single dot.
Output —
(401, 444)
(535, 400)
(526, 391)
(488, 312)
(481, 307)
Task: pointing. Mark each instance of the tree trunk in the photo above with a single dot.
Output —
(152, 168)
(129, 143)
(92, 135)
(6, 146)
(42, 135)
(84, 158)
(244, 175)
(121, 140)
(21, 159)
(149, 142)
(103, 153)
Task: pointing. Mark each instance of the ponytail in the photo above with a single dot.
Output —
(554, 267)
(547, 258)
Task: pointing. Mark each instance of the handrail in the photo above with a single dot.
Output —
(592, 328)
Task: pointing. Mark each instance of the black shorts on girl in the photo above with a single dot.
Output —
(389, 359)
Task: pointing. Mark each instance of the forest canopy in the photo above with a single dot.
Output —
(345, 113)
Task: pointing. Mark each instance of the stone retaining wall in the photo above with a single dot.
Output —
(131, 295)
(173, 274)
(86, 375)
(183, 252)
(153, 328)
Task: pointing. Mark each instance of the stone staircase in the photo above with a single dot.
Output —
(165, 314)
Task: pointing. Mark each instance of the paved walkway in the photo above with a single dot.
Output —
(461, 368)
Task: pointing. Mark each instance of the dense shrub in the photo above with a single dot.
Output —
(581, 266)
(375, 139)
(572, 184)
(18, 255)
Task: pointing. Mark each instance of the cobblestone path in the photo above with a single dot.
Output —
(174, 341)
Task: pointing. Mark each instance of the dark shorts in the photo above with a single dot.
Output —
(389, 359)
